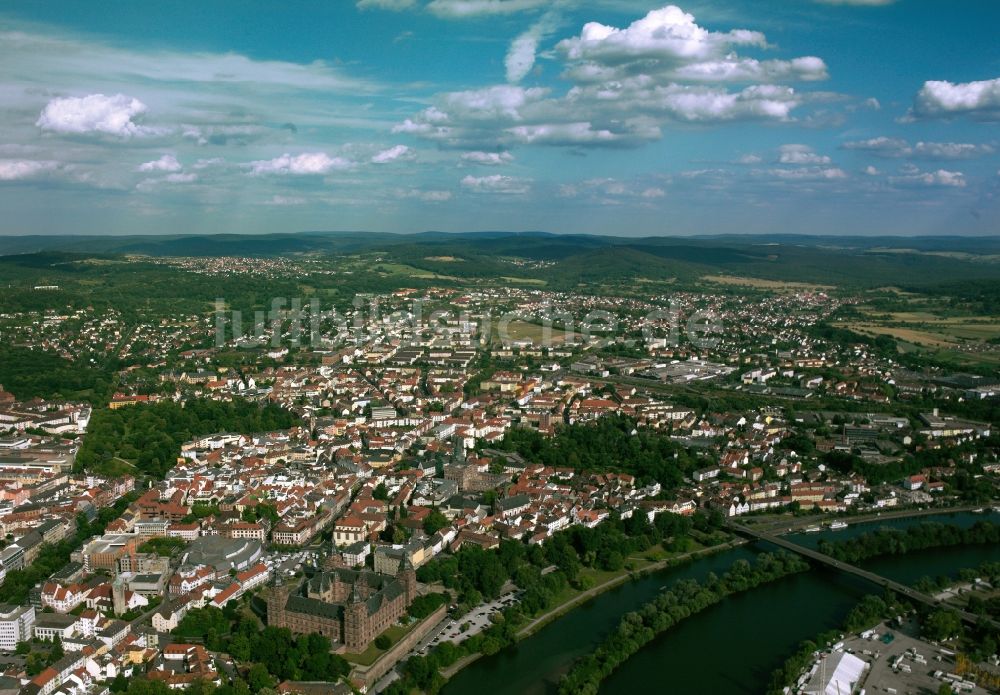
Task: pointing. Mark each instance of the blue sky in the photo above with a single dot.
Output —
(602, 116)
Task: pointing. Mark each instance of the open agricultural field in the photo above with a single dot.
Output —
(910, 335)
(403, 269)
(524, 281)
(961, 255)
(929, 327)
(523, 330)
(759, 283)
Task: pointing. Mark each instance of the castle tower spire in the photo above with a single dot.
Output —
(407, 576)
(356, 596)
(276, 602)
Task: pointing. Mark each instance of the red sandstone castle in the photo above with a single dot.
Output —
(349, 607)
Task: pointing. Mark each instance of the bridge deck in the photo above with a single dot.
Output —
(878, 579)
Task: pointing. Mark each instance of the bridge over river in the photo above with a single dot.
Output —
(901, 589)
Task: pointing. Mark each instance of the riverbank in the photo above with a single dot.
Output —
(678, 604)
(911, 629)
(808, 604)
(782, 525)
(565, 607)
(557, 611)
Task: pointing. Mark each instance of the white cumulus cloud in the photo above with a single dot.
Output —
(699, 104)
(669, 42)
(15, 169)
(626, 84)
(302, 164)
(941, 178)
(940, 98)
(496, 183)
(498, 101)
(668, 33)
(732, 69)
(571, 134)
(167, 162)
(488, 158)
(951, 150)
(95, 113)
(800, 154)
(883, 146)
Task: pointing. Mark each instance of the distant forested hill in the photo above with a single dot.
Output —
(561, 261)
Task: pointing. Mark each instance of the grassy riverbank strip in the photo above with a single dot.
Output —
(618, 579)
(581, 597)
(683, 600)
(429, 673)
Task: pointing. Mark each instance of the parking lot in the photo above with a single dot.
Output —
(475, 621)
(450, 630)
(288, 563)
(903, 663)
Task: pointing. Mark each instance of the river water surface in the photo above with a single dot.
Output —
(731, 647)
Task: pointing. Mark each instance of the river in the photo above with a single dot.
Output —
(729, 648)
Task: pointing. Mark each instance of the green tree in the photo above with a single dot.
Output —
(57, 651)
(34, 664)
(142, 686)
(434, 522)
(258, 678)
(240, 648)
(942, 624)
(200, 687)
